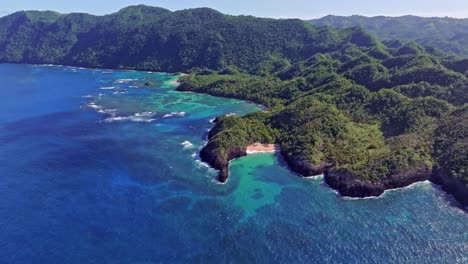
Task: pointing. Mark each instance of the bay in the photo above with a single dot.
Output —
(97, 167)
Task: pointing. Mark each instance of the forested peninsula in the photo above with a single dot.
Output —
(369, 115)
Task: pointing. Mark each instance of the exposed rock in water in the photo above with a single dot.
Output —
(148, 84)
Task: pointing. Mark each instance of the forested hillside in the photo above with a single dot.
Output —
(349, 112)
(340, 102)
(142, 37)
(447, 34)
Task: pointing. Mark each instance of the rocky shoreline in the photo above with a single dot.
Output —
(451, 185)
(345, 183)
(350, 185)
(208, 155)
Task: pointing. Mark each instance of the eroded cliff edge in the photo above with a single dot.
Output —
(344, 182)
(230, 137)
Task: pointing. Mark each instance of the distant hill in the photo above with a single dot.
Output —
(447, 34)
(143, 37)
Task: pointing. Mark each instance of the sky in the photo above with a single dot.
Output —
(305, 9)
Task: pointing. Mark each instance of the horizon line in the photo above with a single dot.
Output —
(422, 15)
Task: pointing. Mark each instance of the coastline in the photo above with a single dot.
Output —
(147, 70)
(347, 188)
(262, 148)
(176, 81)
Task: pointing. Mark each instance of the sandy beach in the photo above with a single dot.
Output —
(177, 81)
(262, 148)
(174, 82)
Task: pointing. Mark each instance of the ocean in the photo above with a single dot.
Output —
(97, 167)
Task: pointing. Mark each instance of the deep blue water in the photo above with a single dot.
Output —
(97, 168)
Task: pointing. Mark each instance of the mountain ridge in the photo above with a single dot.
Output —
(438, 32)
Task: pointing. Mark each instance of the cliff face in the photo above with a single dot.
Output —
(451, 154)
(304, 167)
(350, 185)
(344, 182)
(210, 155)
(450, 184)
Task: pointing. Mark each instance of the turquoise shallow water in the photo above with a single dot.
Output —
(97, 168)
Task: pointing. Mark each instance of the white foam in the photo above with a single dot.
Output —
(411, 186)
(93, 105)
(216, 181)
(100, 109)
(198, 160)
(187, 144)
(146, 117)
(106, 111)
(107, 88)
(124, 80)
(360, 198)
(174, 114)
(147, 114)
(315, 177)
(128, 118)
(212, 120)
(203, 164)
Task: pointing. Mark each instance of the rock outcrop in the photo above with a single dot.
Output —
(304, 167)
(450, 184)
(350, 185)
(345, 182)
(210, 155)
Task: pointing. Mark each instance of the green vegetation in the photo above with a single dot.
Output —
(231, 132)
(451, 148)
(449, 35)
(338, 97)
(150, 38)
(362, 112)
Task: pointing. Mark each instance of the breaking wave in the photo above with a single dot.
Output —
(187, 144)
(124, 80)
(174, 114)
(138, 117)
